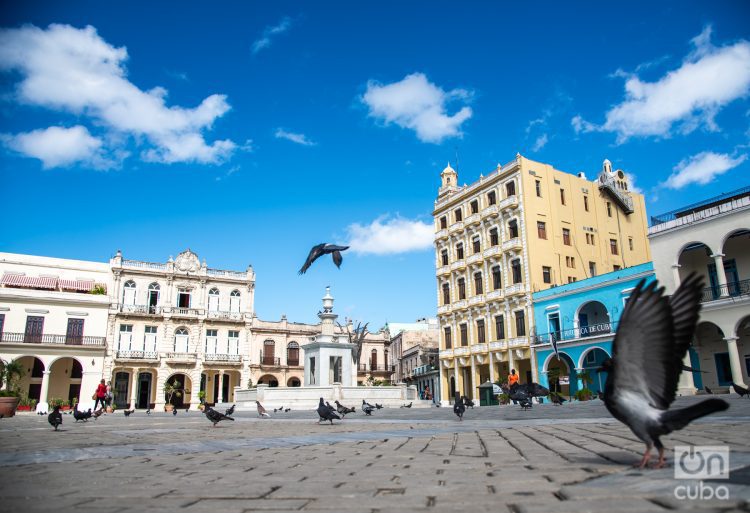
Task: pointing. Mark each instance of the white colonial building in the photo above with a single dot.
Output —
(53, 319)
(711, 238)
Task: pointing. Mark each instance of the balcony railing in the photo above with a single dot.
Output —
(512, 244)
(459, 225)
(140, 309)
(182, 357)
(731, 289)
(494, 250)
(178, 311)
(225, 316)
(718, 205)
(476, 257)
(593, 330)
(47, 338)
(226, 274)
(473, 218)
(490, 211)
(269, 360)
(440, 234)
(137, 355)
(216, 357)
(367, 367)
(144, 265)
(509, 202)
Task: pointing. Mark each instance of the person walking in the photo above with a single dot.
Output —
(100, 394)
(108, 396)
(512, 378)
(427, 393)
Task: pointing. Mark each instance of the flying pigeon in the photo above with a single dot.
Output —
(261, 410)
(647, 353)
(323, 249)
(215, 416)
(55, 418)
(742, 391)
(325, 412)
(522, 394)
(229, 410)
(458, 406)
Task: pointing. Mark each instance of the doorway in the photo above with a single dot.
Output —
(144, 390)
(122, 379)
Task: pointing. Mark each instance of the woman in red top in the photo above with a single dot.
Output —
(101, 393)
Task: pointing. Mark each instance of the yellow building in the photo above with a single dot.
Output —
(524, 227)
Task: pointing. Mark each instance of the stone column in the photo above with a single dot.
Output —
(43, 405)
(134, 391)
(734, 361)
(473, 393)
(676, 275)
(722, 277)
(220, 378)
(686, 384)
(455, 375)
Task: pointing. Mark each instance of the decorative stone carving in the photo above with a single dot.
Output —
(187, 261)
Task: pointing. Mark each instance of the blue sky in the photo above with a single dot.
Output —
(251, 131)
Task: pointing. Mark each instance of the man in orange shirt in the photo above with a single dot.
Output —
(512, 378)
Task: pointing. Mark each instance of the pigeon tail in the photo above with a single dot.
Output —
(678, 419)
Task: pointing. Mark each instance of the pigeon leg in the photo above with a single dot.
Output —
(662, 460)
(646, 458)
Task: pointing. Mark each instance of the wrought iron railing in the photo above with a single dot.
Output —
(592, 330)
(47, 338)
(216, 357)
(271, 360)
(731, 289)
(137, 355)
(140, 309)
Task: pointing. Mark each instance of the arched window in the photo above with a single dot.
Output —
(213, 300)
(234, 301)
(267, 357)
(292, 354)
(153, 297)
(128, 294)
(374, 360)
(181, 337)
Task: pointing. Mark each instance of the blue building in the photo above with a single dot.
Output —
(582, 317)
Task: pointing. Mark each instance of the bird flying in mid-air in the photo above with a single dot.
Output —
(324, 249)
(647, 353)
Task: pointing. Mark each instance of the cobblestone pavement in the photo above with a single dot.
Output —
(571, 458)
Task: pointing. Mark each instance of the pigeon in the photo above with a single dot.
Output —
(80, 415)
(98, 413)
(557, 398)
(525, 404)
(459, 407)
(367, 408)
(653, 337)
(365, 403)
(708, 390)
(287, 410)
(522, 394)
(128, 412)
(468, 402)
(215, 416)
(343, 410)
(261, 410)
(280, 409)
(600, 394)
(148, 411)
(174, 411)
(55, 418)
(378, 406)
(406, 405)
(325, 412)
(742, 391)
(187, 408)
(229, 410)
(687, 368)
(324, 249)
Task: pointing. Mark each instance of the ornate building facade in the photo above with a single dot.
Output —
(524, 227)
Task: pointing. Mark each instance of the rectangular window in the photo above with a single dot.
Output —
(34, 329)
(477, 283)
(586, 203)
(493, 237)
(630, 243)
(2, 325)
(149, 339)
(496, 282)
(476, 245)
(520, 323)
(447, 337)
(491, 198)
(538, 184)
(461, 288)
(233, 343)
(444, 257)
(458, 215)
(566, 236)
(515, 266)
(499, 327)
(513, 229)
(541, 229)
(571, 279)
(126, 337)
(183, 298)
(464, 335)
(592, 268)
(562, 196)
(480, 331)
(547, 274)
(74, 334)
(446, 294)
(443, 223)
(613, 246)
(616, 267)
(510, 189)
(474, 206)
(212, 338)
(459, 251)
(609, 209)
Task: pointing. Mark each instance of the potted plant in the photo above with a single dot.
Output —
(503, 398)
(173, 389)
(10, 396)
(65, 405)
(202, 399)
(24, 404)
(584, 394)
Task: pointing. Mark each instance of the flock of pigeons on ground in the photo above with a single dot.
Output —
(653, 337)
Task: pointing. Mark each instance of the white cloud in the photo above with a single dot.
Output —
(417, 104)
(686, 98)
(540, 142)
(295, 138)
(265, 40)
(389, 235)
(581, 125)
(75, 70)
(701, 169)
(58, 147)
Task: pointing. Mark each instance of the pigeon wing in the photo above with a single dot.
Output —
(314, 254)
(337, 259)
(643, 348)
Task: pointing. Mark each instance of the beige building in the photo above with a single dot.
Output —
(711, 238)
(53, 319)
(524, 227)
(405, 336)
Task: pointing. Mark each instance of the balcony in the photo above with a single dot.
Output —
(456, 226)
(225, 316)
(50, 339)
(498, 344)
(621, 197)
(479, 298)
(368, 367)
(731, 289)
(474, 259)
(423, 369)
(472, 219)
(269, 360)
(494, 250)
(717, 206)
(446, 353)
(461, 351)
(181, 357)
(460, 304)
(137, 264)
(492, 210)
(148, 310)
(292, 362)
(518, 342)
(512, 244)
(509, 202)
(563, 336)
(221, 273)
(444, 269)
(137, 356)
(478, 348)
(518, 288)
(189, 313)
(233, 359)
(458, 264)
(444, 309)
(495, 294)
(441, 234)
